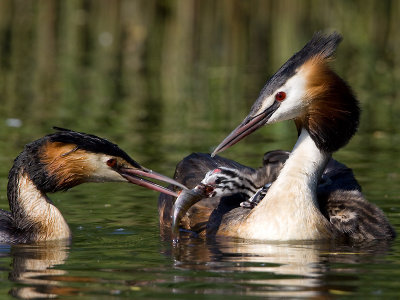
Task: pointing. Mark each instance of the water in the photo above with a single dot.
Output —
(164, 79)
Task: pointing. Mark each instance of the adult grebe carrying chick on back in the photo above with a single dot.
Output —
(297, 205)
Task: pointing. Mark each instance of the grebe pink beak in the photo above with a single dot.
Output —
(132, 175)
(249, 125)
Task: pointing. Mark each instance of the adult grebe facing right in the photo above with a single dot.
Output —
(57, 162)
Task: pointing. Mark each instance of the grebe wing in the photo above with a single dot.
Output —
(343, 204)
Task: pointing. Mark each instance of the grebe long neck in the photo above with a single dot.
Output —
(290, 209)
(34, 215)
(304, 167)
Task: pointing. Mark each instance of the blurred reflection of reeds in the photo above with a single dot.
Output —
(164, 66)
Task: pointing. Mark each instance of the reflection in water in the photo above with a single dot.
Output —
(290, 269)
(33, 266)
(158, 77)
(212, 267)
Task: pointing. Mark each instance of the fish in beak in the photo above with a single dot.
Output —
(187, 198)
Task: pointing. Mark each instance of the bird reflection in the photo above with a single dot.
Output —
(33, 267)
(277, 269)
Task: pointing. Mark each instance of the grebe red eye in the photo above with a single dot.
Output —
(280, 96)
(112, 162)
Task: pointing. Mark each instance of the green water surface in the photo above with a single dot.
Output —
(164, 79)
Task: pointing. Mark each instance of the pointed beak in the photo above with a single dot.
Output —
(249, 125)
(134, 175)
(186, 199)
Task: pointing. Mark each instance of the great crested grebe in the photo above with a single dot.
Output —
(57, 162)
(326, 113)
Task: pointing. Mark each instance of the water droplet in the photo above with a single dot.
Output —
(13, 122)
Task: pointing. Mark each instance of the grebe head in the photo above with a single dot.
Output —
(67, 158)
(307, 90)
(225, 181)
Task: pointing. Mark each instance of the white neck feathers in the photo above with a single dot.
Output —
(290, 209)
(304, 165)
(36, 214)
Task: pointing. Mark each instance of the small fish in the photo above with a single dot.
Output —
(186, 199)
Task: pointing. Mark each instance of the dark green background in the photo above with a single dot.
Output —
(167, 78)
